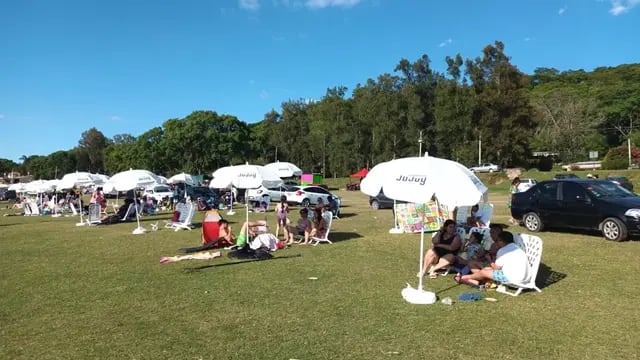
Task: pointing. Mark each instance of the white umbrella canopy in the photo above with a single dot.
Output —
(182, 178)
(418, 180)
(18, 187)
(284, 169)
(41, 186)
(244, 177)
(132, 179)
(78, 178)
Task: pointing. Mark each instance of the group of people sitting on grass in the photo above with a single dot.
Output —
(504, 261)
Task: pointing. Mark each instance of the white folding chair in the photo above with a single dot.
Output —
(328, 218)
(533, 248)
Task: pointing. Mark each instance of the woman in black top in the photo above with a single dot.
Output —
(446, 244)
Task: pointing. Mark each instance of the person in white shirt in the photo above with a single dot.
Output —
(511, 265)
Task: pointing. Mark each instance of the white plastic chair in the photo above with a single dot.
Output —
(461, 215)
(94, 214)
(328, 218)
(533, 248)
(185, 221)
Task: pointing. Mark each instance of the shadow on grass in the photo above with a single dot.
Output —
(343, 236)
(204, 267)
(547, 277)
(345, 215)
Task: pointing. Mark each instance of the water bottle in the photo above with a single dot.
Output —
(447, 301)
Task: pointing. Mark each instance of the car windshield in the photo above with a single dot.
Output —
(162, 189)
(607, 189)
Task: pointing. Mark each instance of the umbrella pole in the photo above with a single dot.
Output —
(230, 212)
(421, 257)
(246, 200)
(139, 229)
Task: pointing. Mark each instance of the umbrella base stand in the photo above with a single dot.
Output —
(231, 212)
(56, 215)
(81, 224)
(396, 230)
(139, 230)
(418, 296)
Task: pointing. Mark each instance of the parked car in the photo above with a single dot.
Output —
(381, 201)
(308, 195)
(526, 184)
(565, 176)
(622, 181)
(9, 195)
(588, 204)
(487, 167)
(207, 195)
(158, 192)
(274, 193)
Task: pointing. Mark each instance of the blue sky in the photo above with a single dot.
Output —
(127, 66)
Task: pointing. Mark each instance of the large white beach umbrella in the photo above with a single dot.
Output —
(130, 180)
(182, 178)
(284, 169)
(78, 179)
(244, 177)
(418, 180)
(18, 187)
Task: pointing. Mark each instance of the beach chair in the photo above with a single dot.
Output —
(131, 210)
(210, 226)
(185, 221)
(533, 248)
(461, 215)
(94, 214)
(26, 208)
(35, 209)
(73, 209)
(328, 218)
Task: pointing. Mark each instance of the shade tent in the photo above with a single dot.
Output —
(419, 180)
(284, 169)
(360, 174)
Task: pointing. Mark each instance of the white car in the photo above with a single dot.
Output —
(487, 167)
(273, 193)
(308, 195)
(158, 192)
(526, 184)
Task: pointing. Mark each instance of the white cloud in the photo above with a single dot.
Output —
(264, 94)
(321, 4)
(115, 118)
(562, 10)
(1, 116)
(252, 5)
(446, 42)
(619, 7)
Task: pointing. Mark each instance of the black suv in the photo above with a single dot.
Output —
(588, 204)
(622, 181)
(566, 176)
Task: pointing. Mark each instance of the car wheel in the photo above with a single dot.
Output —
(614, 230)
(375, 205)
(490, 170)
(306, 202)
(532, 222)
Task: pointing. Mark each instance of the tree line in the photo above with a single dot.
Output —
(485, 99)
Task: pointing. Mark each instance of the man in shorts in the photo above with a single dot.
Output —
(511, 264)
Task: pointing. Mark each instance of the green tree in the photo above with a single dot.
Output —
(93, 143)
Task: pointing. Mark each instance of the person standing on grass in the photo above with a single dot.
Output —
(513, 189)
(511, 265)
(282, 210)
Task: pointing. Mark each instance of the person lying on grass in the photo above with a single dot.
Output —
(511, 265)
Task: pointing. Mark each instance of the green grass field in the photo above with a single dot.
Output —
(70, 292)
